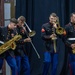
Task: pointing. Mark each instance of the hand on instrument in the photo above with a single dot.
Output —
(54, 25)
(53, 36)
(72, 46)
(27, 40)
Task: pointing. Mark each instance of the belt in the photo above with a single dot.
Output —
(71, 38)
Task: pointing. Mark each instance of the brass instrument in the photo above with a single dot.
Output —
(73, 51)
(54, 39)
(10, 44)
(59, 30)
(31, 33)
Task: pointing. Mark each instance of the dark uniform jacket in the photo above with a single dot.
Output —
(20, 49)
(5, 35)
(47, 30)
(70, 29)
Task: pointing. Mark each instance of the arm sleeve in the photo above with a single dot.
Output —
(44, 35)
(66, 41)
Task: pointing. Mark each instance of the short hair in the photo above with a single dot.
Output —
(72, 14)
(22, 18)
(14, 20)
(53, 14)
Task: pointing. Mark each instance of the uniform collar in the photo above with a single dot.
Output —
(51, 25)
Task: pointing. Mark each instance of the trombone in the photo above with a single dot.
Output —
(31, 34)
(59, 30)
(54, 39)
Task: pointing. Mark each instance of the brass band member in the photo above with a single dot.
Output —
(6, 33)
(48, 33)
(70, 42)
(20, 52)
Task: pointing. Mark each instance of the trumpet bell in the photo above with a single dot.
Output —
(60, 30)
(32, 33)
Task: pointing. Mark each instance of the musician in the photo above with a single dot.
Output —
(70, 42)
(6, 33)
(20, 52)
(48, 33)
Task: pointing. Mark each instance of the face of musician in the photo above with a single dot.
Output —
(73, 18)
(21, 21)
(52, 19)
(13, 23)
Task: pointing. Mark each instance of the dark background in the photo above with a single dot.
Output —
(37, 13)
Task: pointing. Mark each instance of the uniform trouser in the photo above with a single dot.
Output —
(11, 62)
(50, 59)
(18, 61)
(72, 63)
(24, 63)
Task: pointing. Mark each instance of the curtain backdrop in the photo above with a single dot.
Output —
(37, 13)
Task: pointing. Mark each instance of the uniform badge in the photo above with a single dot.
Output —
(43, 30)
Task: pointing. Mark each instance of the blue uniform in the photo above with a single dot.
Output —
(5, 35)
(50, 56)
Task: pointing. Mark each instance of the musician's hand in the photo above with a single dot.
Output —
(72, 46)
(27, 40)
(54, 25)
(53, 35)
